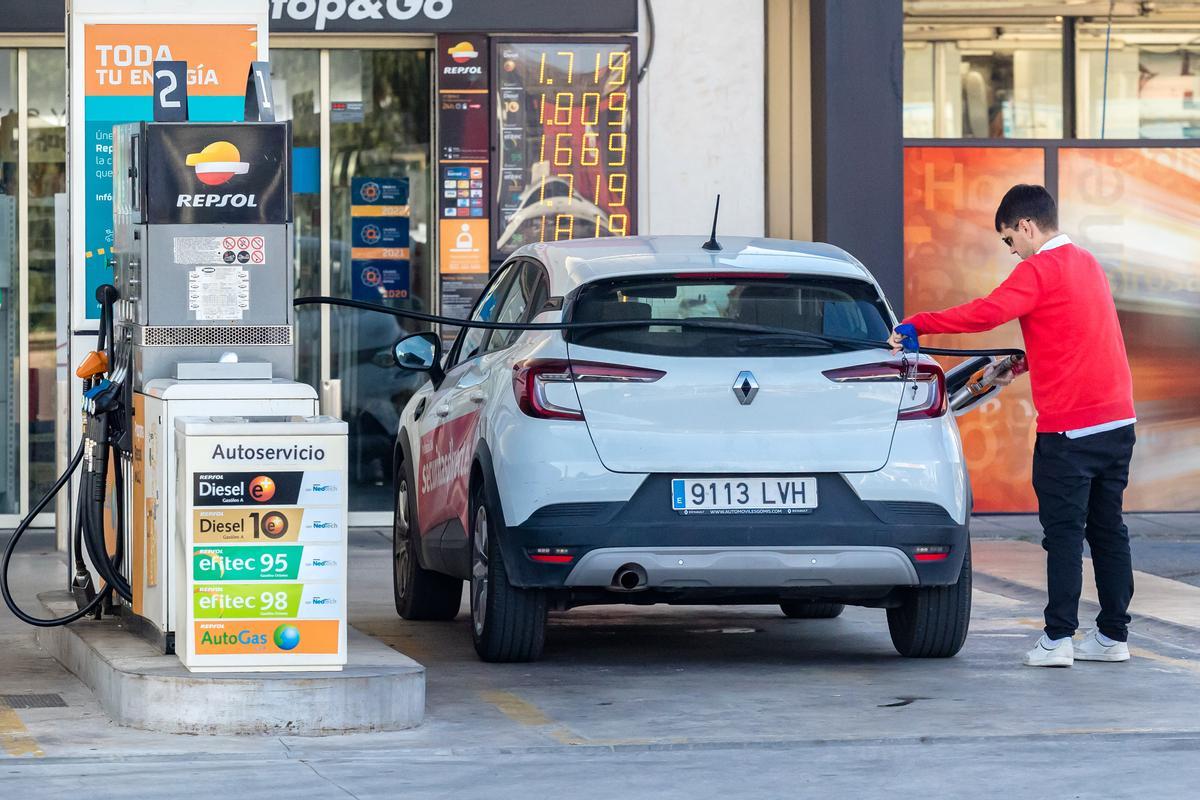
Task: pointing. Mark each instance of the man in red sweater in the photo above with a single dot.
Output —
(1083, 392)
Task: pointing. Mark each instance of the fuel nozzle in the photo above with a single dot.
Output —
(984, 380)
(93, 364)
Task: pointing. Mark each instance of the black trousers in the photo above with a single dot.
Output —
(1079, 485)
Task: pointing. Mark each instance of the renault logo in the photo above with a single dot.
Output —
(745, 387)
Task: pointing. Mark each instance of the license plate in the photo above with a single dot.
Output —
(758, 495)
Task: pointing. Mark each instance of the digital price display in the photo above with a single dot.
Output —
(566, 164)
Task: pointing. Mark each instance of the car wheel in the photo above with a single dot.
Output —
(932, 622)
(507, 623)
(808, 609)
(420, 593)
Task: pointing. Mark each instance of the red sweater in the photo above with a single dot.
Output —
(1078, 369)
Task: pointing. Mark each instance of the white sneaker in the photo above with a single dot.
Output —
(1044, 655)
(1092, 649)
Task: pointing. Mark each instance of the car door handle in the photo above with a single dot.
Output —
(476, 397)
(469, 380)
(443, 410)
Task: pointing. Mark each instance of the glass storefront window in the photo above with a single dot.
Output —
(47, 120)
(296, 87)
(380, 104)
(10, 346)
(983, 82)
(1153, 87)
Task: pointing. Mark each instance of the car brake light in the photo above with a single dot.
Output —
(531, 380)
(927, 380)
(932, 380)
(931, 552)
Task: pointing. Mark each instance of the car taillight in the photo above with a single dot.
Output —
(925, 399)
(533, 381)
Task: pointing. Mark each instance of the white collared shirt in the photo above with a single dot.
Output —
(1078, 433)
(1057, 241)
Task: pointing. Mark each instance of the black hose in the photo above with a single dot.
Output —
(649, 42)
(710, 324)
(12, 545)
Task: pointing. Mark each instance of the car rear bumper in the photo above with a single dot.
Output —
(845, 542)
(745, 567)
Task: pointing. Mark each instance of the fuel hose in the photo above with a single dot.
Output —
(710, 324)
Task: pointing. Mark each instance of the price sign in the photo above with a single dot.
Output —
(565, 140)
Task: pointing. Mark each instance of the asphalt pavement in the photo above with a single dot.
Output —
(687, 702)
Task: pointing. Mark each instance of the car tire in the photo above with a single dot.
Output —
(808, 609)
(420, 594)
(932, 621)
(508, 624)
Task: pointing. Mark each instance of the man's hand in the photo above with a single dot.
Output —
(895, 342)
(1001, 380)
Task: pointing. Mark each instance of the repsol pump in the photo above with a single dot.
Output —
(198, 321)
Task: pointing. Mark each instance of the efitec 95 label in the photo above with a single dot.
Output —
(285, 562)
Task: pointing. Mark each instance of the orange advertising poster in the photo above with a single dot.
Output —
(119, 58)
(463, 246)
(952, 254)
(1138, 211)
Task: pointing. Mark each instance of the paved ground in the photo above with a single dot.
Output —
(690, 702)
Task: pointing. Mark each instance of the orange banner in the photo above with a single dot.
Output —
(952, 254)
(120, 58)
(265, 637)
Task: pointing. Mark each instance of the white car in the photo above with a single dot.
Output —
(680, 463)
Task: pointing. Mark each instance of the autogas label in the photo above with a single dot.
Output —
(266, 562)
(266, 600)
(318, 487)
(262, 637)
(268, 524)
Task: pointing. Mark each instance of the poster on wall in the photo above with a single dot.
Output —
(113, 77)
(379, 250)
(1138, 211)
(952, 254)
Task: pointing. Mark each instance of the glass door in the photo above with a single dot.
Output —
(10, 334)
(380, 247)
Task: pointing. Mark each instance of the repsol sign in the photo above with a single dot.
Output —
(217, 174)
(215, 201)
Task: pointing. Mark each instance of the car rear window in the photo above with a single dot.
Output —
(841, 307)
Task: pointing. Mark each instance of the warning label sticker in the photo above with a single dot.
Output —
(216, 250)
(218, 292)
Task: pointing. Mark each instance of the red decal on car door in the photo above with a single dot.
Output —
(445, 471)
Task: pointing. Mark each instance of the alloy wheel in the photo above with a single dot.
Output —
(479, 571)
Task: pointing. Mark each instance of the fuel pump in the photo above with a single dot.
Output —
(198, 322)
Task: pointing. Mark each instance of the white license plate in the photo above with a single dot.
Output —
(744, 494)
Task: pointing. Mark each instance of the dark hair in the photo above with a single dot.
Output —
(1027, 201)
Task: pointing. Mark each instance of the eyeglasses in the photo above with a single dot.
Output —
(1008, 240)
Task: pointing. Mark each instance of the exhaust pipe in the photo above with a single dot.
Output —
(629, 578)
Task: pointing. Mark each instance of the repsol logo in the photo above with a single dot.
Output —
(462, 71)
(216, 201)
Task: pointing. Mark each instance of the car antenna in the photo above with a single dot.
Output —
(712, 243)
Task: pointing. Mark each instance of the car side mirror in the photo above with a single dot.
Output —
(420, 352)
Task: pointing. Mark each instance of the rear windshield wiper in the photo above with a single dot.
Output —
(798, 340)
(776, 340)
